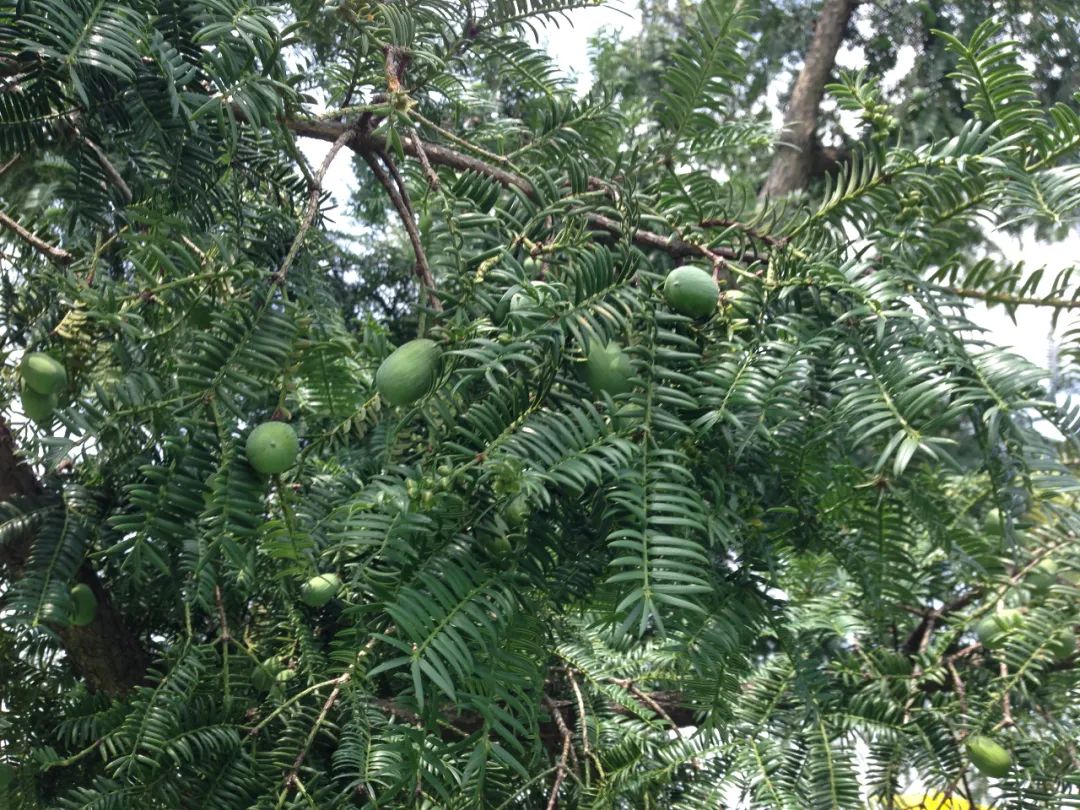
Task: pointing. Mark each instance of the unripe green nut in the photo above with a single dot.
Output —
(42, 373)
(320, 589)
(83, 605)
(39, 407)
(272, 448)
(987, 756)
(691, 291)
(409, 372)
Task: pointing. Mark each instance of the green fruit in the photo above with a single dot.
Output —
(7, 775)
(38, 407)
(83, 605)
(272, 448)
(993, 522)
(409, 372)
(1042, 576)
(517, 511)
(532, 265)
(608, 369)
(993, 630)
(500, 545)
(267, 673)
(1063, 644)
(320, 589)
(987, 756)
(691, 291)
(42, 373)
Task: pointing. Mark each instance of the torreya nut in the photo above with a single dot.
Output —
(691, 291)
(500, 545)
(409, 372)
(608, 370)
(993, 630)
(987, 756)
(517, 511)
(42, 373)
(7, 775)
(532, 265)
(39, 407)
(1042, 576)
(320, 589)
(267, 673)
(272, 448)
(1062, 645)
(83, 605)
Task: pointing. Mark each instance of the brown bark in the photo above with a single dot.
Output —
(794, 161)
(105, 653)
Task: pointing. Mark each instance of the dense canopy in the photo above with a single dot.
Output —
(591, 552)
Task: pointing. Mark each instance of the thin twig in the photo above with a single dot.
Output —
(53, 254)
(581, 713)
(313, 202)
(1006, 701)
(330, 701)
(423, 270)
(225, 635)
(1008, 299)
(647, 699)
(560, 771)
(108, 168)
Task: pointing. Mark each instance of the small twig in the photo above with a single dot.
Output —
(109, 169)
(423, 270)
(1006, 701)
(313, 202)
(647, 699)
(1008, 299)
(560, 771)
(330, 701)
(581, 713)
(195, 249)
(961, 693)
(225, 635)
(53, 254)
(425, 164)
(753, 233)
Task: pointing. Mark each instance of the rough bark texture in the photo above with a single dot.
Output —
(105, 653)
(794, 161)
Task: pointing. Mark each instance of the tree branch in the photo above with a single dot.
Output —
(404, 210)
(793, 159)
(313, 201)
(53, 254)
(1008, 299)
(450, 158)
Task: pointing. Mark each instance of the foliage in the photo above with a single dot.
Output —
(765, 574)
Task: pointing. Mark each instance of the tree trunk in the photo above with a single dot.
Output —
(793, 162)
(105, 653)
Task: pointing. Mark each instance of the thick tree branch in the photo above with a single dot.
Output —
(53, 254)
(794, 157)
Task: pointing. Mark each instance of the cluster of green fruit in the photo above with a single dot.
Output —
(43, 378)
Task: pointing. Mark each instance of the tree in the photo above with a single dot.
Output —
(803, 39)
(759, 566)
